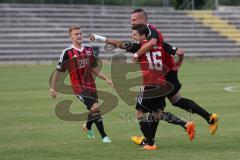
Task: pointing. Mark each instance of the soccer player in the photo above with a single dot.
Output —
(152, 64)
(150, 105)
(139, 16)
(80, 62)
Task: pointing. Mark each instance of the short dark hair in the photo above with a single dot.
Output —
(141, 29)
(140, 10)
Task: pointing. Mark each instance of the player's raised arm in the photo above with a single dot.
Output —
(147, 46)
(94, 37)
(115, 43)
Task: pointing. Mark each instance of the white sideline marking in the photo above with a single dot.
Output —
(232, 88)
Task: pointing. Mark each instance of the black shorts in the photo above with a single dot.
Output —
(172, 77)
(88, 98)
(146, 103)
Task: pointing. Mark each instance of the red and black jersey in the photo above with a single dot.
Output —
(79, 64)
(155, 33)
(153, 63)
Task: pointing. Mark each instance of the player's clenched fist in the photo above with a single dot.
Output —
(53, 92)
(92, 37)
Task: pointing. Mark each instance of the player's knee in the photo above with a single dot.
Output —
(95, 108)
(95, 115)
(175, 98)
(141, 116)
(95, 111)
(156, 116)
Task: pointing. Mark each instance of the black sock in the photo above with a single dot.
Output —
(154, 128)
(192, 107)
(170, 118)
(95, 117)
(100, 127)
(153, 122)
(90, 121)
(146, 129)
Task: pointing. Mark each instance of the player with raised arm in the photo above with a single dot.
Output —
(139, 16)
(152, 76)
(153, 68)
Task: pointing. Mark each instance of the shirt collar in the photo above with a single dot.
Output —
(82, 47)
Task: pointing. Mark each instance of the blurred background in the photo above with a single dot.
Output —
(36, 30)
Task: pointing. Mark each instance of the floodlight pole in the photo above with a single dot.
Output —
(193, 5)
(133, 3)
(165, 3)
(216, 4)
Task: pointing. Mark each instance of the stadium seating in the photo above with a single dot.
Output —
(38, 32)
(230, 14)
(223, 27)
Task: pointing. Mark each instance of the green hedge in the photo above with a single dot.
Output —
(199, 4)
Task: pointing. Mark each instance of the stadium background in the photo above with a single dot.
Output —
(33, 32)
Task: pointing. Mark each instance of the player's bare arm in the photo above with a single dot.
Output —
(101, 75)
(94, 37)
(55, 78)
(180, 54)
(147, 46)
(114, 42)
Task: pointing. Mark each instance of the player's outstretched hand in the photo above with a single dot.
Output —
(135, 58)
(180, 54)
(53, 93)
(110, 83)
(91, 37)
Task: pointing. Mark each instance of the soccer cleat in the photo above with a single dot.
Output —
(106, 140)
(148, 147)
(137, 140)
(213, 123)
(90, 134)
(190, 129)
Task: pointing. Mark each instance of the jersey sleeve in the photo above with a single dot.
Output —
(153, 34)
(169, 49)
(135, 47)
(62, 63)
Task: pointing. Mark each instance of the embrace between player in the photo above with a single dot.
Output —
(81, 63)
(154, 38)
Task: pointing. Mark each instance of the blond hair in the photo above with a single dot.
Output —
(71, 28)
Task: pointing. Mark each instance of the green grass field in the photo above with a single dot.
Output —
(30, 130)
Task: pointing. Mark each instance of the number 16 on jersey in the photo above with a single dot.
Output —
(154, 60)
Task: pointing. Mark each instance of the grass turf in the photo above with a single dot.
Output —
(29, 128)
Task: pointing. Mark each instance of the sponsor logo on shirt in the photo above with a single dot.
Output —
(83, 63)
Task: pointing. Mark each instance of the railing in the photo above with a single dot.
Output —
(133, 3)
